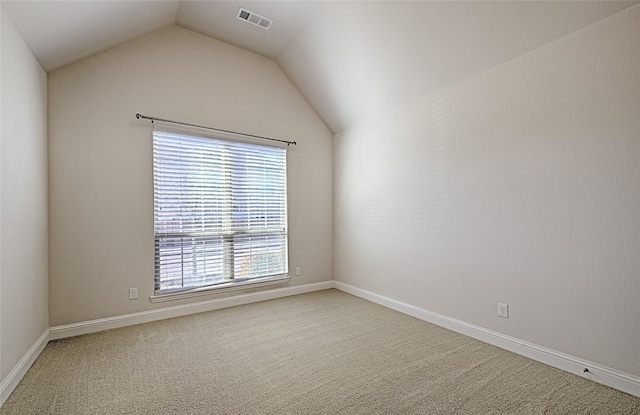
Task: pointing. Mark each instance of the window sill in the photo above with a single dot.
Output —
(220, 288)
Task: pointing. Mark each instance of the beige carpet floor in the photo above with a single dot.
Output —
(319, 353)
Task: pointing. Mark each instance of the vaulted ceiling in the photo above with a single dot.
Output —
(351, 60)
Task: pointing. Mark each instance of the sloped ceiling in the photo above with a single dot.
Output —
(351, 60)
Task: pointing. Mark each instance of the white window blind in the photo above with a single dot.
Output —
(220, 211)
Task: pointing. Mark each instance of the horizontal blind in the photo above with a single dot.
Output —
(220, 211)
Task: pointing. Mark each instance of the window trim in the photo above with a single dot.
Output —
(221, 288)
(228, 284)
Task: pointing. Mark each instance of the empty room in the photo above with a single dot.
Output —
(320, 207)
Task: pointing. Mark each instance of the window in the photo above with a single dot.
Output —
(220, 212)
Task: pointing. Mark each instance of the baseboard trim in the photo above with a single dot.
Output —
(92, 326)
(13, 378)
(598, 373)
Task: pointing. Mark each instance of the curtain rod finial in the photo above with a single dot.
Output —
(138, 115)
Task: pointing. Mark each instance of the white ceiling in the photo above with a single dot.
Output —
(351, 60)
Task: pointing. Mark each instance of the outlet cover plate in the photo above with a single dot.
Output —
(503, 310)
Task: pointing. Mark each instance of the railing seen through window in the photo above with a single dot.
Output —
(220, 211)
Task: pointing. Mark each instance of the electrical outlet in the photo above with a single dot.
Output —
(503, 310)
(298, 271)
(133, 293)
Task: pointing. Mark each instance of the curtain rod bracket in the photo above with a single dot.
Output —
(153, 119)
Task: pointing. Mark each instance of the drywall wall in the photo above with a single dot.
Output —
(519, 185)
(101, 205)
(24, 288)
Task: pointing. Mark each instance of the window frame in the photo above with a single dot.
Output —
(230, 251)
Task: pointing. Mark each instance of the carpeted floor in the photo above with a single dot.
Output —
(320, 353)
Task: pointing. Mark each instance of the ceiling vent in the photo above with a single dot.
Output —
(254, 18)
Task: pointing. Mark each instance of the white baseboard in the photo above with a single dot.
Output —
(598, 373)
(13, 378)
(92, 326)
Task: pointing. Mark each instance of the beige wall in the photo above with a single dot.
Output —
(24, 286)
(101, 205)
(519, 185)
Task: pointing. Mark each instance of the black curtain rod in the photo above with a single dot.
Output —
(154, 119)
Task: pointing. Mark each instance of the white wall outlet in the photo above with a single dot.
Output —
(503, 310)
(298, 271)
(133, 293)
